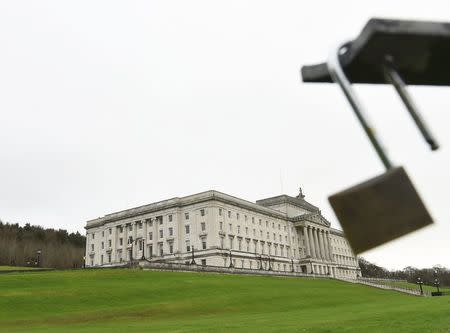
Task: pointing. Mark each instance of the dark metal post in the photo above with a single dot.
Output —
(193, 258)
(260, 262)
(395, 79)
(38, 263)
(231, 260)
(420, 283)
(338, 76)
(292, 261)
(143, 249)
(436, 283)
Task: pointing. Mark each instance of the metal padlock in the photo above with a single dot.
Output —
(387, 206)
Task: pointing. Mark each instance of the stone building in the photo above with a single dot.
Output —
(279, 233)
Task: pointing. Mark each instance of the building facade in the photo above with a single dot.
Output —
(281, 233)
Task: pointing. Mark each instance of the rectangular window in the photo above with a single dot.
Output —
(120, 229)
(254, 232)
(150, 235)
(220, 225)
(237, 216)
(170, 231)
(204, 244)
(187, 229)
(140, 225)
(253, 220)
(150, 222)
(161, 250)
(188, 246)
(92, 247)
(101, 259)
(160, 218)
(246, 230)
(220, 211)
(130, 227)
(110, 231)
(120, 241)
(161, 233)
(239, 229)
(103, 245)
(267, 235)
(229, 214)
(260, 222)
(245, 218)
(141, 243)
(203, 226)
(203, 262)
(170, 218)
(230, 227)
(93, 236)
(150, 250)
(103, 233)
(239, 244)
(221, 242)
(267, 224)
(186, 216)
(202, 212)
(171, 248)
(109, 257)
(109, 243)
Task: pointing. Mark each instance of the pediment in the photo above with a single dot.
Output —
(316, 218)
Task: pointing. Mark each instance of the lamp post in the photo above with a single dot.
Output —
(38, 262)
(420, 283)
(436, 281)
(143, 249)
(193, 258)
(84, 261)
(231, 260)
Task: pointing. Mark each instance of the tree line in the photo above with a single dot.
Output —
(410, 274)
(35, 246)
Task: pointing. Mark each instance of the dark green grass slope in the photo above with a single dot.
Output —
(143, 301)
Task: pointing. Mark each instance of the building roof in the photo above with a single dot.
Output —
(211, 195)
(282, 199)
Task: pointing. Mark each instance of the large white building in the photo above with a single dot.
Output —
(213, 227)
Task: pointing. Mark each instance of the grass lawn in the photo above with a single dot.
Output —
(16, 268)
(130, 301)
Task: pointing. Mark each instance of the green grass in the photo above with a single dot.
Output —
(143, 301)
(16, 268)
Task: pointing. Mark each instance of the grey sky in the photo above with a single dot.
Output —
(106, 105)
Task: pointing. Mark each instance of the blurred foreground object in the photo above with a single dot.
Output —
(386, 52)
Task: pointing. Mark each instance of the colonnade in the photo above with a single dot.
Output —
(317, 243)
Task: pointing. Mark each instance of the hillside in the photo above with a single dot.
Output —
(135, 301)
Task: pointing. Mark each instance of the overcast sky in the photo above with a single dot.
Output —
(107, 105)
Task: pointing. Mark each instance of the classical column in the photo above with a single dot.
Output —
(320, 239)
(324, 246)
(305, 233)
(311, 240)
(316, 243)
(330, 250)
